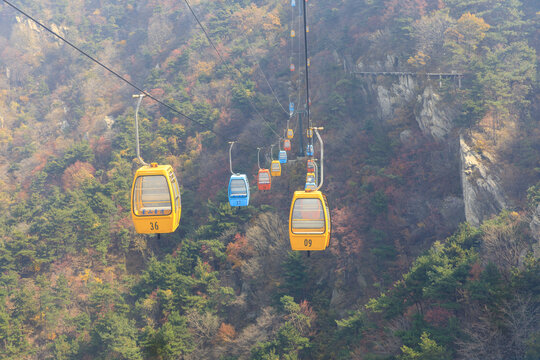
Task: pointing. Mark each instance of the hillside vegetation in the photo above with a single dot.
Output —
(405, 276)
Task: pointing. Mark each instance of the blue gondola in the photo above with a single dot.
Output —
(309, 150)
(282, 156)
(238, 186)
(239, 190)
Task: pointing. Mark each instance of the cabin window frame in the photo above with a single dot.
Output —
(304, 232)
(134, 196)
(244, 184)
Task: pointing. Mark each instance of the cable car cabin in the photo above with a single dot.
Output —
(287, 145)
(309, 150)
(275, 168)
(311, 166)
(310, 186)
(309, 221)
(290, 133)
(264, 180)
(239, 190)
(156, 205)
(310, 177)
(309, 133)
(282, 156)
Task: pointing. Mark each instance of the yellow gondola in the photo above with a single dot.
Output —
(290, 133)
(155, 200)
(275, 168)
(309, 221)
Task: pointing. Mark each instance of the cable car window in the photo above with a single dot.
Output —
(151, 196)
(176, 191)
(264, 178)
(276, 167)
(308, 217)
(238, 187)
(327, 211)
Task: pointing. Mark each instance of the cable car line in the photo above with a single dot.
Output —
(204, 31)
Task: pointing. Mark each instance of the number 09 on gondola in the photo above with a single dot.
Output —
(155, 200)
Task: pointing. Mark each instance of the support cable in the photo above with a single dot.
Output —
(140, 97)
(223, 63)
(266, 79)
(310, 125)
(230, 156)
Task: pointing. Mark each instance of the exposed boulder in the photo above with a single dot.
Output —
(407, 137)
(103, 125)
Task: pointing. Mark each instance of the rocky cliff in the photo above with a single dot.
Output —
(434, 117)
(483, 195)
(482, 192)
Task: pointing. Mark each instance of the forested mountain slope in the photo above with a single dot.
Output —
(433, 183)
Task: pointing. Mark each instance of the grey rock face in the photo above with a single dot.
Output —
(482, 194)
(432, 117)
(398, 95)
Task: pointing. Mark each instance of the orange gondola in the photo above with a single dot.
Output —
(287, 145)
(264, 179)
